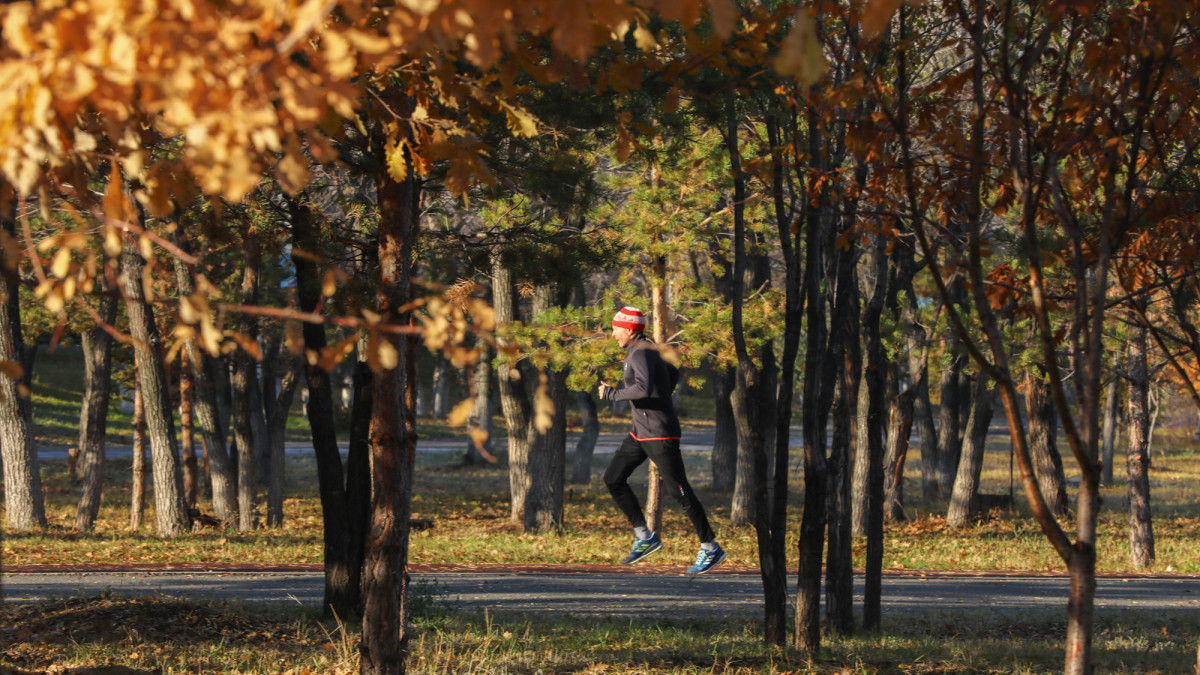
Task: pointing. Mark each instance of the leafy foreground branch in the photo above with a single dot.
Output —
(111, 634)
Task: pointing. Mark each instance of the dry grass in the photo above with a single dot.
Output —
(470, 508)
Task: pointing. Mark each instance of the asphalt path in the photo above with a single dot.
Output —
(598, 592)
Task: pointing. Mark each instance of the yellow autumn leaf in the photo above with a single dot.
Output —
(520, 122)
(329, 283)
(460, 413)
(724, 17)
(801, 54)
(210, 337)
(397, 162)
(61, 265)
(193, 308)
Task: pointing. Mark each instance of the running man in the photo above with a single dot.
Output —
(648, 384)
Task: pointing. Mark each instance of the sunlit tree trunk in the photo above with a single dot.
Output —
(137, 490)
(964, 499)
(479, 444)
(24, 507)
(169, 508)
(1043, 429)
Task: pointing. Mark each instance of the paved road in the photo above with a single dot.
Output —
(615, 594)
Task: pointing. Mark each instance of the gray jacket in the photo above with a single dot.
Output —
(648, 384)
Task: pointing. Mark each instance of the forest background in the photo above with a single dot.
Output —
(824, 207)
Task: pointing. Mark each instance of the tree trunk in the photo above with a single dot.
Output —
(187, 443)
(860, 464)
(207, 409)
(1043, 428)
(658, 308)
(258, 423)
(480, 425)
(385, 631)
(343, 591)
(918, 373)
(964, 501)
(547, 459)
(514, 400)
(899, 430)
(1109, 435)
(137, 491)
(277, 432)
(581, 473)
(24, 506)
(875, 381)
(441, 385)
(169, 508)
(839, 578)
(1141, 529)
(949, 434)
(746, 487)
(243, 382)
(725, 436)
(93, 418)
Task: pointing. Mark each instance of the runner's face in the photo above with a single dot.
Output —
(622, 335)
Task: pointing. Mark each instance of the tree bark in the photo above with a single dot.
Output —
(343, 572)
(725, 435)
(93, 418)
(839, 578)
(514, 399)
(964, 500)
(277, 431)
(1043, 428)
(860, 463)
(581, 473)
(169, 508)
(949, 433)
(187, 443)
(24, 506)
(899, 430)
(385, 631)
(1141, 528)
(875, 379)
(441, 385)
(137, 490)
(1109, 435)
(243, 382)
(207, 409)
(480, 424)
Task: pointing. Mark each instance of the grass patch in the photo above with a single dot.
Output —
(470, 509)
(170, 636)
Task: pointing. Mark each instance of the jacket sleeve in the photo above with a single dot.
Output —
(638, 383)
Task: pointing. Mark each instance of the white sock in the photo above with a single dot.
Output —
(642, 532)
(709, 545)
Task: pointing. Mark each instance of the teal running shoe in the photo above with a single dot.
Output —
(706, 560)
(642, 548)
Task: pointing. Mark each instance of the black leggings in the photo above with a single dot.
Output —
(665, 454)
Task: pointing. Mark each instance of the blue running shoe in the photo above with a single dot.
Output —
(642, 548)
(706, 560)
